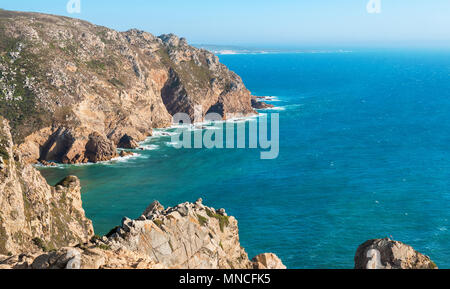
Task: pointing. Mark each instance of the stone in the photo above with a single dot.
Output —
(32, 211)
(99, 148)
(267, 261)
(185, 237)
(389, 254)
(257, 104)
(127, 142)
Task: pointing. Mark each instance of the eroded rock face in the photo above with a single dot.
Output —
(127, 142)
(35, 216)
(267, 261)
(86, 257)
(188, 236)
(99, 148)
(261, 104)
(64, 79)
(389, 254)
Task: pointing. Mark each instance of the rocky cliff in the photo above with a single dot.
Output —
(33, 215)
(389, 254)
(45, 227)
(72, 90)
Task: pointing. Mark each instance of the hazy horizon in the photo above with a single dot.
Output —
(285, 23)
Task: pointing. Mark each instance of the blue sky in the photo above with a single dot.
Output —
(264, 22)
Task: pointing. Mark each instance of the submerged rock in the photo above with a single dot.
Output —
(389, 254)
(261, 104)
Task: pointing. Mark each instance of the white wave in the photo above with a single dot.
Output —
(149, 147)
(122, 159)
(268, 98)
(163, 133)
(279, 108)
(172, 144)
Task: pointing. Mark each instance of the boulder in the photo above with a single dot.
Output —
(127, 142)
(389, 254)
(261, 104)
(99, 148)
(267, 261)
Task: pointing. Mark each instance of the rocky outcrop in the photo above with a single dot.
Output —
(64, 79)
(267, 261)
(83, 257)
(45, 227)
(127, 142)
(389, 254)
(257, 104)
(35, 216)
(99, 148)
(187, 236)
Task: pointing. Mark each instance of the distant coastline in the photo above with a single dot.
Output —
(236, 50)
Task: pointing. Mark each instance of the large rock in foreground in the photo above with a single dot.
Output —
(389, 254)
(35, 216)
(188, 236)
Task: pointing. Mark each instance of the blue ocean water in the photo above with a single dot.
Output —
(364, 153)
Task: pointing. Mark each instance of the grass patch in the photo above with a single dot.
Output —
(202, 220)
(104, 247)
(158, 223)
(4, 153)
(224, 221)
(96, 65)
(41, 245)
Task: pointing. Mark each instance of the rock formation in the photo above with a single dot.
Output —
(389, 254)
(33, 215)
(69, 87)
(257, 104)
(267, 261)
(187, 236)
(45, 227)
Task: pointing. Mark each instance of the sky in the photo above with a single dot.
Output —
(268, 22)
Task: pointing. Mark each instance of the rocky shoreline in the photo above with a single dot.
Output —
(74, 91)
(44, 227)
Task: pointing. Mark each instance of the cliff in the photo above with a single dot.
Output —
(45, 227)
(390, 254)
(72, 90)
(33, 215)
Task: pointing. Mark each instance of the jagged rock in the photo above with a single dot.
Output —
(91, 256)
(125, 154)
(187, 236)
(33, 215)
(127, 142)
(99, 148)
(41, 225)
(267, 261)
(389, 254)
(99, 80)
(257, 104)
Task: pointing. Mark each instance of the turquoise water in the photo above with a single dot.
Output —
(364, 153)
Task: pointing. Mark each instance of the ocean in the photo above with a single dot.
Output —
(364, 154)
